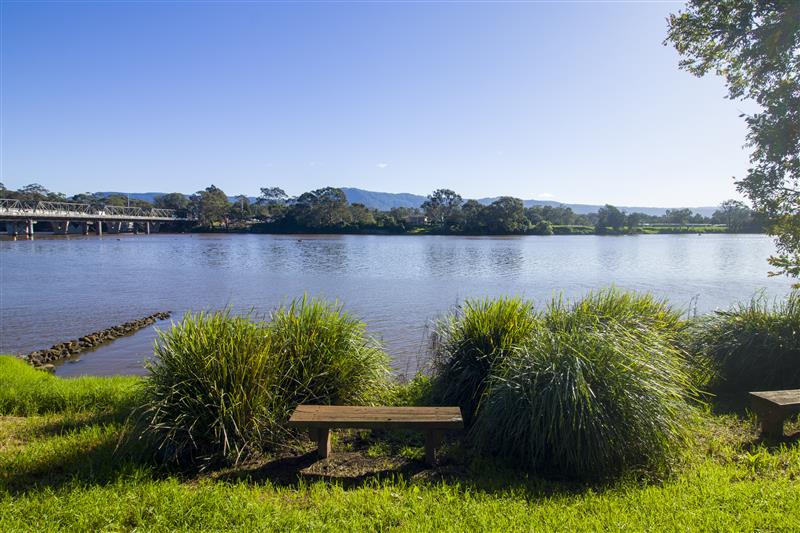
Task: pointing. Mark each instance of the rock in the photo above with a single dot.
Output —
(47, 368)
(40, 358)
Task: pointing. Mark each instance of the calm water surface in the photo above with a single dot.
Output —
(56, 289)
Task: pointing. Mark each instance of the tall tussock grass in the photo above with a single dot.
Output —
(589, 389)
(588, 399)
(753, 346)
(222, 387)
(323, 355)
(469, 344)
(208, 391)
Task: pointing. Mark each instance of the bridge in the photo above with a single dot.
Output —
(68, 217)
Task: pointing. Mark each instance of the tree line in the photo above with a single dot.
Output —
(444, 211)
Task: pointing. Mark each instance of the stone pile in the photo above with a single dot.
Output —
(62, 350)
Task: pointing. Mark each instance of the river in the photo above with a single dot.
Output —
(60, 288)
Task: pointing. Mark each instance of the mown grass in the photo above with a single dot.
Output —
(24, 391)
(70, 469)
(58, 474)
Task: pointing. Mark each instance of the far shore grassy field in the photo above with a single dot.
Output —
(69, 461)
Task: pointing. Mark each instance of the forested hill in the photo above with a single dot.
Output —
(384, 201)
(387, 200)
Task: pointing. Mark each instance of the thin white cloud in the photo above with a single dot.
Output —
(545, 195)
(382, 165)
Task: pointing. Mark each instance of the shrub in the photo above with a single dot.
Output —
(470, 343)
(208, 392)
(588, 389)
(587, 402)
(323, 355)
(222, 387)
(26, 391)
(754, 346)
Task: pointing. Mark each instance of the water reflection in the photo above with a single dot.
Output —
(59, 289)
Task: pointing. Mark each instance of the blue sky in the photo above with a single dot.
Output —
(577, 102)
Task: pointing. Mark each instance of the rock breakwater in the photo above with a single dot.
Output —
(41, 358)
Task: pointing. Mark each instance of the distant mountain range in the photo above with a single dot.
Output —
(387, 200)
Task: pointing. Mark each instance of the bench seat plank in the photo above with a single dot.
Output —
(773, 407)
(341, 417)
(784, 398)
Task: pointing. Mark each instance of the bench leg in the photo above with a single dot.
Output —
(322, 436)
(771, 423)
(432, 441)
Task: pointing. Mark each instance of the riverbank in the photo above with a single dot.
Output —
(65, 464)
(548, 230)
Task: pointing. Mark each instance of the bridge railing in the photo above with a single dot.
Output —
(10, 206)
(115, 210)
(39, 206)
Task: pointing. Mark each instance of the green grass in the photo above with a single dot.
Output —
(59, 474)
(71, 470)
(26, 391)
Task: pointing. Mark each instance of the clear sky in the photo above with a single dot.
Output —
(577, 102)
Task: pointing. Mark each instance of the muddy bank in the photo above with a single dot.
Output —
(41, 358)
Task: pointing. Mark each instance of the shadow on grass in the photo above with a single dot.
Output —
(101, 450)
(772, 443)
(92, 449)
(349, 470)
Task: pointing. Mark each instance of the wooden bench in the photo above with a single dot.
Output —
(773, 407)
(320, 419)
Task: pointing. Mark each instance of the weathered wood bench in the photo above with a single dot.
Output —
(773, 407)
(320, 419)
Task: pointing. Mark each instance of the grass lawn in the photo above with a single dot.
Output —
(68, 460)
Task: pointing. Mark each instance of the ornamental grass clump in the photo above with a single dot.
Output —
(754, 346)
(471, 343)
(207, 396)
(222, 387)
(323, 355)
(592, 390)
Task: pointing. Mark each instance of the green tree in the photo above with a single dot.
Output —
(634, 222)
(272, 196)
(33, 192)
(212, 206)
(736, 216)
(362, 216)
(473, 215)
(506, 215)
(543, 227)
(678, 216)
(240, 210)
(755, 46)
(92, 199)
(324, 208)
(609, 217)
(443, 207)
(174, 200)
